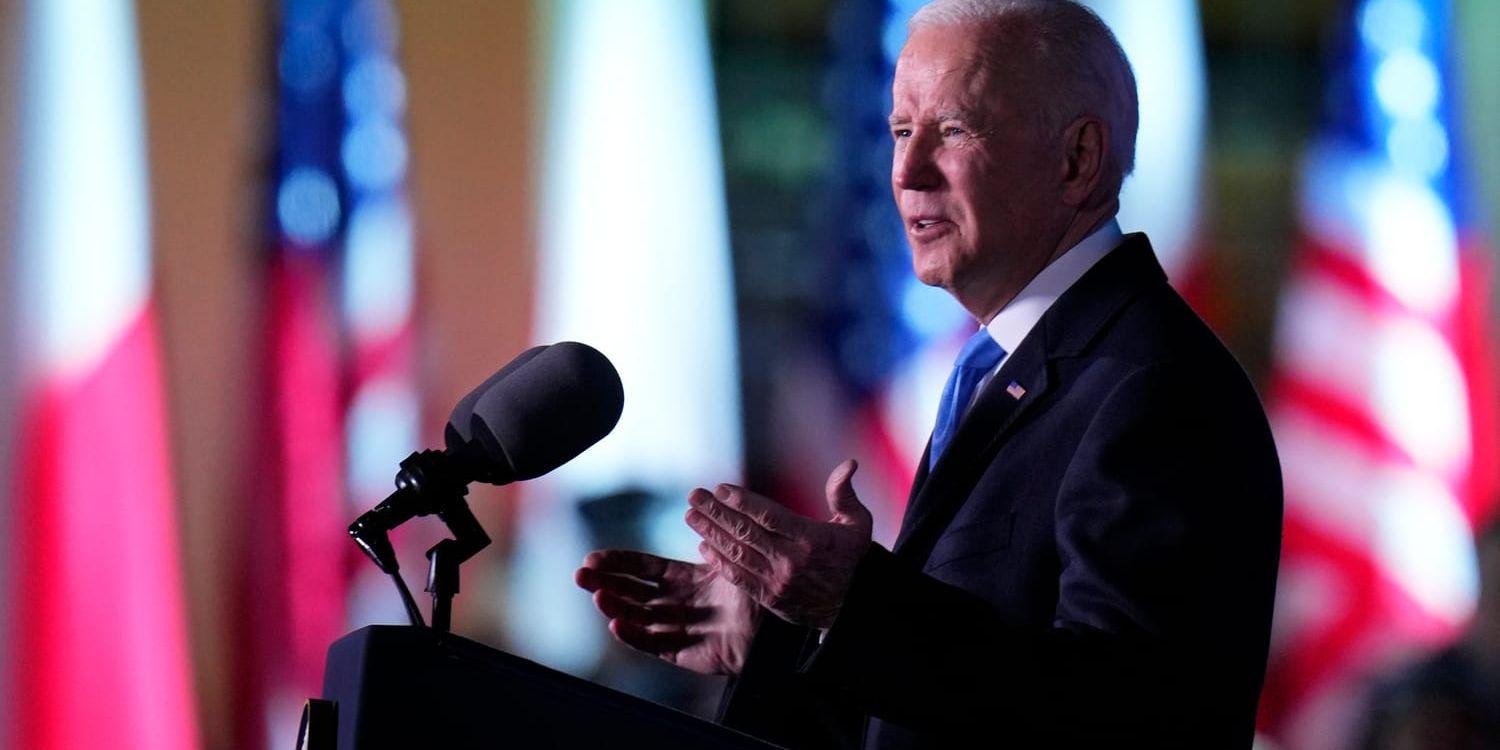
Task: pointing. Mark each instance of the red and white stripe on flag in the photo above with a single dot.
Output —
(1383, 400)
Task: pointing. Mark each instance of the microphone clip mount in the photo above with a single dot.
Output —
(429, 483)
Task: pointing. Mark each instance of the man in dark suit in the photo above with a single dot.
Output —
(1089, 554)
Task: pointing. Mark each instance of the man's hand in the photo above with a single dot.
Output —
(683, 613)
(795, 567)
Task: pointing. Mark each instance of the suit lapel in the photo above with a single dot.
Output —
(938, 494)
(916, 490)
(1065, 330)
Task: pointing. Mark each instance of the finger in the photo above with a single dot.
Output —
(642, 565)
(663, 643)
(842, 500)
(591, 579)
(764, 512)
(744, 545)
(616, 608)
(737, 525)
(649, 614)
(744, 579)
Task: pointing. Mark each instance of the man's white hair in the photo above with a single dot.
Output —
(1081, 67)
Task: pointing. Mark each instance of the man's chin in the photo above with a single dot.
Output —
(932, 275)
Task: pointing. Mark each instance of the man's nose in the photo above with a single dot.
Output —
(912, 165)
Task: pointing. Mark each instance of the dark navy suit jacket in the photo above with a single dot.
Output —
(1090, 564)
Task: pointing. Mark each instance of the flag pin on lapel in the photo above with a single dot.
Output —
(1015, 390)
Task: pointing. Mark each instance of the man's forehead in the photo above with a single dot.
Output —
(951, 73)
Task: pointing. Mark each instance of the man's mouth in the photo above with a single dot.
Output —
(923, 224)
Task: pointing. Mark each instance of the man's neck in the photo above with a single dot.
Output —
(1083, 225)
(1077, 231)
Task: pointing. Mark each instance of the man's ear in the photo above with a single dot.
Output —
(1085, 144)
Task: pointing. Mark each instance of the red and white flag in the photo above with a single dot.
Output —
(99, 654)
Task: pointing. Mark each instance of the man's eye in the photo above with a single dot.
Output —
(899, 133)
(953, 131)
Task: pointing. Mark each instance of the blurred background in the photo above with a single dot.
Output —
(254, 252)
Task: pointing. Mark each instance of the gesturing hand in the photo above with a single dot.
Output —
(794, 566)
(683, 613)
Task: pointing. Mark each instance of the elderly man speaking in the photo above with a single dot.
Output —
(1089, 554)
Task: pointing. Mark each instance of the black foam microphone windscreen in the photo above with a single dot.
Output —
(458, 432)
(554, 406)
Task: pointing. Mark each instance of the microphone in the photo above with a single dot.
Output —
(536, 413)
(543, 414)
(457, 429)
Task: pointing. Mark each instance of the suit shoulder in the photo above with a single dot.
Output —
(1158, 328)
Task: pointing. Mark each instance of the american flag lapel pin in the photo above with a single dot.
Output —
(1015, 390)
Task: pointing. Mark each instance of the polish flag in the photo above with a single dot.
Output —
(98, 654)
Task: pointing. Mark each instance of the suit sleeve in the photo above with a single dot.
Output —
(772, 700)
(1167, 534)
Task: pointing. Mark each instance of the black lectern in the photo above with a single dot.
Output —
(408, 687)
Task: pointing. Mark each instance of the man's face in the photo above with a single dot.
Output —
(976, 184)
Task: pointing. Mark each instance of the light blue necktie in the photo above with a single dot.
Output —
(980, 355)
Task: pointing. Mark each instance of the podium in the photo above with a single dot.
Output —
(410, 687)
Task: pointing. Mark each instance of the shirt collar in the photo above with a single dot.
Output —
(1010, 326)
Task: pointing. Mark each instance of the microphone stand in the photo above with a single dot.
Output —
(430, 482)
(444, 558)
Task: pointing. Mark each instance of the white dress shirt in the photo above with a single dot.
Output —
(1009, 326)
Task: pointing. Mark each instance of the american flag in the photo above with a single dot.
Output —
(377, 286)
(338, 408)
(1381, 401)
(887, 336)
